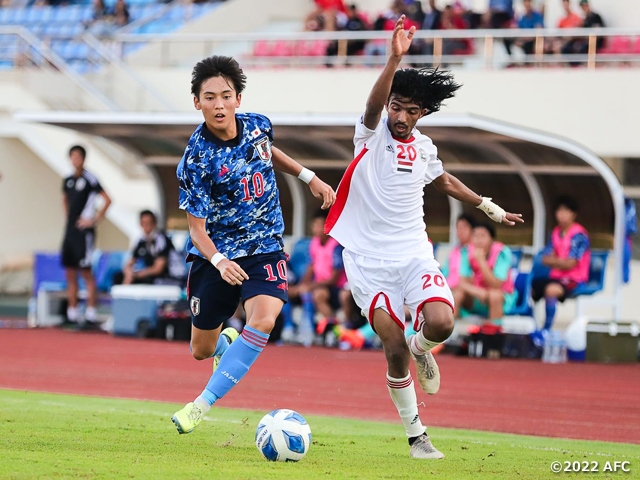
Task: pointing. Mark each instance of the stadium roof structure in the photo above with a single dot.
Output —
(522, 169)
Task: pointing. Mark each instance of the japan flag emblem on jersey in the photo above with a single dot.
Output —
(263, 147)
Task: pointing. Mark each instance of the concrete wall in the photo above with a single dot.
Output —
(598, 109)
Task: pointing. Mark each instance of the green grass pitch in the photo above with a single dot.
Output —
(61, 436)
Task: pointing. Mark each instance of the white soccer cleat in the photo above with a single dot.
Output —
(422, 448)
(427, 369)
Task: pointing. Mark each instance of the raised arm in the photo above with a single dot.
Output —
(400, 43)
(447, 183)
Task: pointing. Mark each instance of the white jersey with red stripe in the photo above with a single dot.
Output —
(379, 209)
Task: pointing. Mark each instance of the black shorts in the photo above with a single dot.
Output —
(539, 285)
(77, 248)
(213, 301)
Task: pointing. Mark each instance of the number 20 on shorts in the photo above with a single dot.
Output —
(430, 280)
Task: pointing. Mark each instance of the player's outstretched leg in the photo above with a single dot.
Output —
(426, 366)
(233, 366)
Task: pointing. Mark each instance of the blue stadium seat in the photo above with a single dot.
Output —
(39, 14)
(300, 258)
(524, 304)
(597, 269)
(516, 256)
(48, 272)
(109, 263)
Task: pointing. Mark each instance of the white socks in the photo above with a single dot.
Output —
(420, 345)
(203, 404)
(72, 314)
(90, 314)
(405, 399)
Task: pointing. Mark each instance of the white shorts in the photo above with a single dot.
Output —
(392, 284)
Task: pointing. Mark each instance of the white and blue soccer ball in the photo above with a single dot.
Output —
(283, 436)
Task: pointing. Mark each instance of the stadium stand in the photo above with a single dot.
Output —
(62, 28)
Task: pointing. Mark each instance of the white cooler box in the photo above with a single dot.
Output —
(135, 307)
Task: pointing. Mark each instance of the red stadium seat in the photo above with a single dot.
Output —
(282, 49)
(636, 46)
(262, 48)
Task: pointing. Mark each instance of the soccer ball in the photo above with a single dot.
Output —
(283, 436)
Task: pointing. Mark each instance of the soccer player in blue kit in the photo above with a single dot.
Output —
(229, 193)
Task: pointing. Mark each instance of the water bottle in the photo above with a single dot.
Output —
(546, 349)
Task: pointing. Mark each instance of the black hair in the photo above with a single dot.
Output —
(467, 218)
(80, 149)
(488, 227)
(217, 66)
(150, 213)
(568, 202)
(427, 87)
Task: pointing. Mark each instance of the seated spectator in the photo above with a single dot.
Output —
(432, 17)
(452, 20)
(530, 19)
(451, 268)
(325, 276)
(591, 20)
(154, 259)
(500, 13)
(568, 255)
(120, 14)
(355, 22)
(387, 22)
(486, 287)
(570, 20)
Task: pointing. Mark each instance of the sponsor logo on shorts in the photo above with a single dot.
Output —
(283, 286)
(195, 306)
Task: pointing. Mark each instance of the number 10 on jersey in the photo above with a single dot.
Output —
(257, 182)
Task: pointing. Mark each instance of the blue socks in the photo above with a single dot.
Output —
(235, 363)
(550, 311)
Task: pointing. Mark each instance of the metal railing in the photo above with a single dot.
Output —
(180, 49)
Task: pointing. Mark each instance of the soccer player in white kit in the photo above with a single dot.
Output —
(378, 218)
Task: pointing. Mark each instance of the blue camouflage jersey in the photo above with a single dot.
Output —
(233, 185)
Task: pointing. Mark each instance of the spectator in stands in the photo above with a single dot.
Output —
(570, 20)
(432, 17)
(591, 20)
(120, 14)
(500, 13)
(325, 276)
(81, 190)
(568, 255)
(530, 19)
(386, 21)
(330, 10)
(452, 20)
(415, 12)
(153, 260)
(485, 287)
(355, 22)
(451, 269)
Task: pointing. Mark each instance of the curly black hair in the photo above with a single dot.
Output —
(217, 66)
(427, 87)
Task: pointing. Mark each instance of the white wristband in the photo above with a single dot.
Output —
(493, 211)
(217, 258)
(306, 175)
